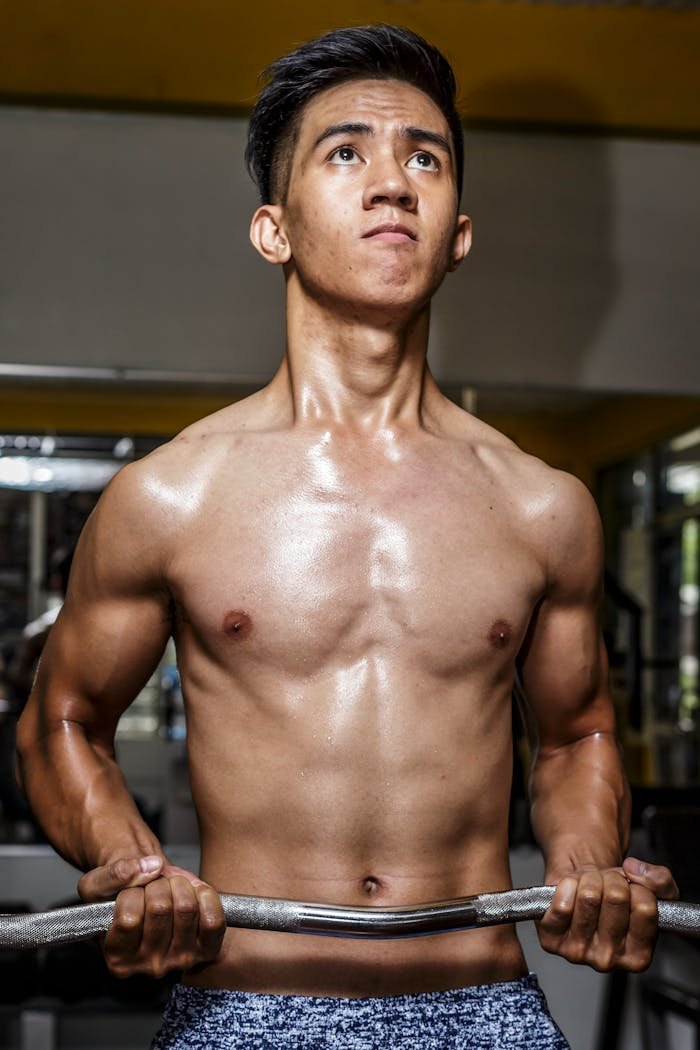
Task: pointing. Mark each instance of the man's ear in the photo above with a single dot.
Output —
(462, 241)
(268, 235)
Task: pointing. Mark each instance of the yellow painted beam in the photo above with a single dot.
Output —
(619, 429)
(622, 66)
(86, 410)
(614, 430)
(580, 442)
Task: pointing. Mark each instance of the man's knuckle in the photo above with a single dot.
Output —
(590, 899)
(160, 909)
(638, 962)
(574, 951)
(185, 909)
(604, 960)
(120, 970)
(212, 923)
(157, 968)
(126, 921)
(121, 870)
(119, 963)
(646, 909)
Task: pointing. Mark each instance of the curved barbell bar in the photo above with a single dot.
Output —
(84, 921)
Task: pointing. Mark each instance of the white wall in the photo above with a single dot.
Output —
(123, 244)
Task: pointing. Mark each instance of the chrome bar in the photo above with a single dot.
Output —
(82, 922)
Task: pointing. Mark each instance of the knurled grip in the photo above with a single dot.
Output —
(59, 926)
(494, 909)
(260, 913)
(680, 917)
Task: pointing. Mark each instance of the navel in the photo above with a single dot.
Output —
(500, 633)
(371, 885)
(237, 624)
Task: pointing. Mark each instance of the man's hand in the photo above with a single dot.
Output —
(607, 918)
(165, 918)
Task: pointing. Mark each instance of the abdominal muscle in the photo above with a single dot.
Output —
(365, 826)
(257, 961)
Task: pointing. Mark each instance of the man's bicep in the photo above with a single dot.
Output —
(97, 659)
(564, 675)
(112, 629)
(562, 664)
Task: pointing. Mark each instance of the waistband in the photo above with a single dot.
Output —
(468, 993)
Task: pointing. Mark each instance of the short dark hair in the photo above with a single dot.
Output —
(375, 52)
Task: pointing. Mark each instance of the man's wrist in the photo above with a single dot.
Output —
(126, 848)
(578, 856)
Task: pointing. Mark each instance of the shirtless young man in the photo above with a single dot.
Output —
(354, 571)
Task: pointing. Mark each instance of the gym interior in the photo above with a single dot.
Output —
(131, 304)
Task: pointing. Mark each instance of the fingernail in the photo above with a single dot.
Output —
(149, 864)
(198, 882)
(636, 867)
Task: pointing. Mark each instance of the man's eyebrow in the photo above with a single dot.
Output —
(423, 135)
(346, 128)
(350, 127)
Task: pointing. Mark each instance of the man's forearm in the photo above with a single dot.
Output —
(85, 807)
(580, 804)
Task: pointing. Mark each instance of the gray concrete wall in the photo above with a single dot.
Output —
(124, 245)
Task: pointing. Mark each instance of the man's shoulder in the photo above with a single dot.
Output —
(171, 472)
(145, 513)
(545, 493)
(216, 433)
(555, 510)
(499, 455)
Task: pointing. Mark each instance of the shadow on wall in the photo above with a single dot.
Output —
(535, 291)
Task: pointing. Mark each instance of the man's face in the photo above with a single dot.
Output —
(370, 217)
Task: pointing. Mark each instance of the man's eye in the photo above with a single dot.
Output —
(344, 155)
(424, 161)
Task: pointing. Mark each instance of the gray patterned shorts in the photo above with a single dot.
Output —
(511, 1015)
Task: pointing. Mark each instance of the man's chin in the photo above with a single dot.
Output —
(392, 295)
(386, 309)
(392, 285)
(396, 297)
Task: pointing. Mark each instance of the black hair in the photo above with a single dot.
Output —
(376, 52)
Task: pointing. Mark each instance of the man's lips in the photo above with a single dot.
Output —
(393, 232)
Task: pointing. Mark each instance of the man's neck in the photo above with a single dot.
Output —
(355, 374)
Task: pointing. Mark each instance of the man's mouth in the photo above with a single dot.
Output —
(391, 232)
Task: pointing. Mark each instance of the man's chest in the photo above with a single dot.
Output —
(299, 572)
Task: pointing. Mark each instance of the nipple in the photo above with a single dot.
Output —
(499, 635)
(237, 624)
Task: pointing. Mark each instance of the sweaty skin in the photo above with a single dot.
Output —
(354, 571)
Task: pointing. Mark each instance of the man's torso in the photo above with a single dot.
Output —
(347, 615)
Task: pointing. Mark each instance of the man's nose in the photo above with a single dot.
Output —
(388, 183)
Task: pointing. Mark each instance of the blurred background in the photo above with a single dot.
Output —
(131, 304)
